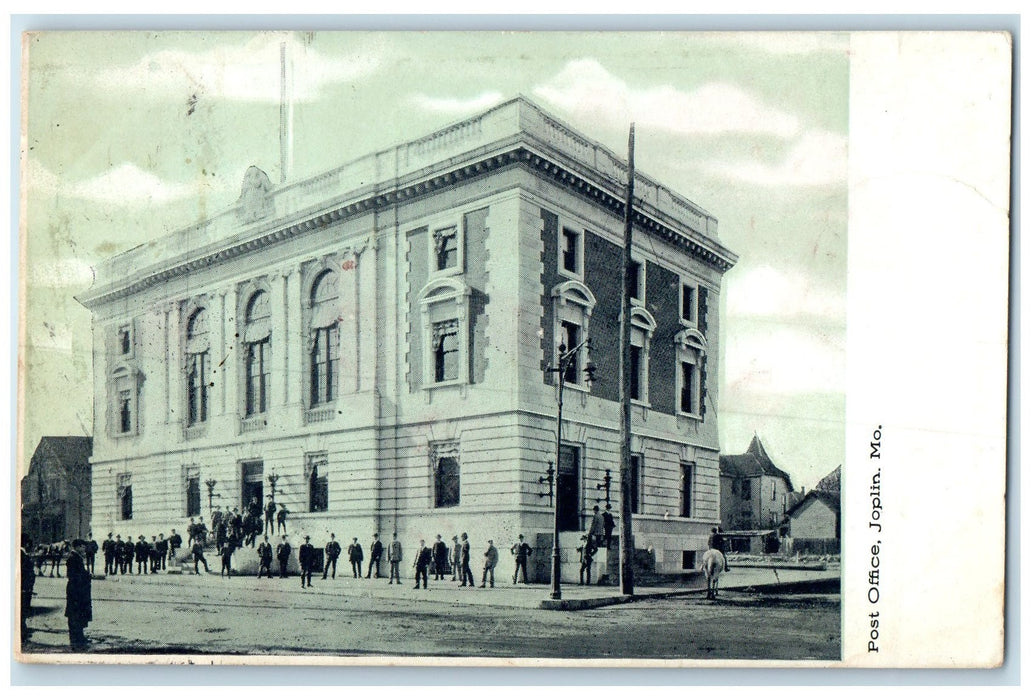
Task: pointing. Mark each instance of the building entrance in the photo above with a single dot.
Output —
(253, 474)
(568, 489)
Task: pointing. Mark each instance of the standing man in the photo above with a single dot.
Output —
(270, 516)
(108, 548)
(597, 531)
(456, 558)
(587, 549)
(375, 554)
(265, 558)
(91, 553)
(439, 559)
(421, 564)
(202, 532)
(522, 552)
(609, 524)
(283, 555)
(142, 555)
(333, 550)
(281, 519)
(467, 573)
(78, 596)
(191, 532)
(221, 533)
(155, 558)
(227, 560)
(127, 554)
(198, 556)
(306, 555)
(490, 560)
(394, 557)
(28, 581)
(162, 548)
(355, 555)
(175, 541)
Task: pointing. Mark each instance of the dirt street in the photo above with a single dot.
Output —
(205, 615)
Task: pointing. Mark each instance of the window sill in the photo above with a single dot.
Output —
(443, 384)
(690, 416)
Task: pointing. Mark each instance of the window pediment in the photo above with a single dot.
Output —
(575, 292)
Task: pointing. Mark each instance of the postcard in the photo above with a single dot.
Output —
(533, 349)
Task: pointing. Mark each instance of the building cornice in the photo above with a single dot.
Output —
(646, 218)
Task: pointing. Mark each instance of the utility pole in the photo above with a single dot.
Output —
(626, 550)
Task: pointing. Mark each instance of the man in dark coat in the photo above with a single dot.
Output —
(79, 599)
(227, 560)
(333, 550)
(421, 564)
(281, 519)
(28, 581)
(191, 532)
(609, 523)
(127, 551)
(270, 516)
(375, 555)
(718, 542)
(108, 547)
(198, 557)
(162, 550)
(265, 558)
(306, 557)
(221, 534)
(283, 555)
(355, 555)
(91, 553)
(467, 573)
(142, 555)
(175, 541)
(155, 558)
(522, 552)
(587, 550)
(439, 559)
(394, 556)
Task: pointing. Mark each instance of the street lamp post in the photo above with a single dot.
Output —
(606, 484)
(272, 479)
(210, 483)
(565, 358)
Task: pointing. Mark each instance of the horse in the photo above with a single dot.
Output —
(54, 554)
(713, 564)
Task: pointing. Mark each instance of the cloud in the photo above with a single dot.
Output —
(126, 184)
(765, 292)
(784, 43)
(818, 158)
(782, 359)
(250, 72)
(587, 90)
(456, 106)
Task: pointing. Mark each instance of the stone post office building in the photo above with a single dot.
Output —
(377, 338)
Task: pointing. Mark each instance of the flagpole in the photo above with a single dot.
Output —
(626, 551)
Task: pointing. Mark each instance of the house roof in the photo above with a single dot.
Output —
(73, 452)
(830, 483)
(832, 500)
(753, 462)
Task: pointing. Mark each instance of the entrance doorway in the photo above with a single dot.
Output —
(252, 479)
(568, 489)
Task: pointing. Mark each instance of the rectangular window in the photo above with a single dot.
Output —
(686, 489)
(571, 255)
(636, 371)
(445, 351)
(258, 367)
(571, 338)
(635, 483)
(324, 362)
(635, 279)
(124, 340)
(688, 303)
(445, 242)
(688, 390)
(318, 482)
(446, 483)
(125, 411)
(746, 490)
(197, 390)
(687, 560)
(192, 491)
(125, 496)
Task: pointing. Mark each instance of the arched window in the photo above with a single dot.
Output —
(574, 304)
(325, 337)
(257, 346)
(642, 325)
(445, 311)
(691, 350)
(197, 367)
(125, 405)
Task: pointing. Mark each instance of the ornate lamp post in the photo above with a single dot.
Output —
(210, 483)
(565, 359)
(606, 484)
(272, 479)
(550, 481)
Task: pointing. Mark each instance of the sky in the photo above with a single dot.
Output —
(130, 136)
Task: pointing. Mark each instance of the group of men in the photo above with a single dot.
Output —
(119, 555)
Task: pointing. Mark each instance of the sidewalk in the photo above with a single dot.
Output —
(536, 595)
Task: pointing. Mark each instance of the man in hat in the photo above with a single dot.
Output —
(78, 597)
(355, 555)
(490, 560)
(421, 564)
(586, 549)
(456, 558)
(175, 541)
(394, 557)
(142, 555)
(227, 560)
(265, 558)
(270, 516)
(28, 581)
(375, 554)
(522, 552)
(283, 555)
(198, 556)
(333, 550)
(467, 573)
(306, 556)
(439, 559)
(597, 532)
(108, 547)
(281, 519)
(91, 553)
(162, 549)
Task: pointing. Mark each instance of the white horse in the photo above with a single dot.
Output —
(713, 564)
